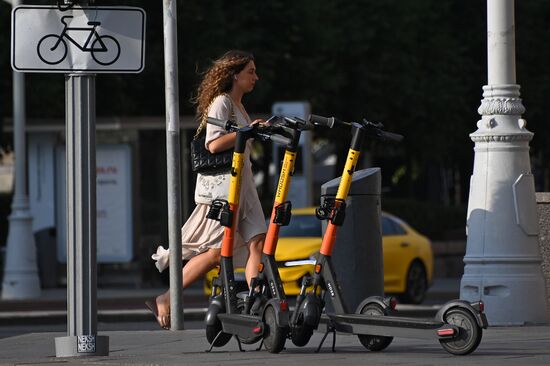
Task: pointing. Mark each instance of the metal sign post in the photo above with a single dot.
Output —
(173, 161)
(82, 338)
(80, 41)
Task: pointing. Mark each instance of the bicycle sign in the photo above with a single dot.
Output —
(84, 39)
(52, 49)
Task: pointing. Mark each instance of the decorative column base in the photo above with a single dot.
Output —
(513, 294)
(503, 262)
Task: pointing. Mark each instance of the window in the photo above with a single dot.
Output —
(390, 227)
(302, 226)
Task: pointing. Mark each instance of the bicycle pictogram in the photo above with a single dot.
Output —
(52, 48)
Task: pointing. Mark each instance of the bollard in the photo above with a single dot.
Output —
(357, 255)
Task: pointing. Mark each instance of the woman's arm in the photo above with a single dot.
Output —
(227, 141)
(222, 143)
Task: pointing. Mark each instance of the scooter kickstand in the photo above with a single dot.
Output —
(214, 341)
(329, 330)
(239, 343)
(260, 346)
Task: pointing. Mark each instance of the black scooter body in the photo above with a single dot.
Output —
(457, 326)
(392, 325)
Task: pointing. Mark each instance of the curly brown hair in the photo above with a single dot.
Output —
(217, 80)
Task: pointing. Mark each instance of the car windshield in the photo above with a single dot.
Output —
(302, 226)
(310, 226)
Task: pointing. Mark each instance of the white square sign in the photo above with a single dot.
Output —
(83, 39)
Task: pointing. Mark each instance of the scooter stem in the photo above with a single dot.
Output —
(343, 188)
(235, 191)
(287, 169)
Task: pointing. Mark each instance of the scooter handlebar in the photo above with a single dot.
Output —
(294, 123)
(325, 121)
(374, 130)
(279, 139)
(226, 125)
(389, 136)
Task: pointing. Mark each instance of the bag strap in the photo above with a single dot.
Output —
(202, 125)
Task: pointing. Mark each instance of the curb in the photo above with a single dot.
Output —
(144, 315)
(104, 316)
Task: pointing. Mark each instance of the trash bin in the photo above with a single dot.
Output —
(357, 257)
(46, 255)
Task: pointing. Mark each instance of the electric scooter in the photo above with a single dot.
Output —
(268, 285)
(263, 312)
(457, 326)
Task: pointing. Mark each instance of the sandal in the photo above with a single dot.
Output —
(152, 306)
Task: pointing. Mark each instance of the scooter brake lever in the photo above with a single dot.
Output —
(377, 125)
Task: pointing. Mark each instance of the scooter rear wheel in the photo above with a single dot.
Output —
(372, 342)
(469, 336)
(274, 336)
(301, 332)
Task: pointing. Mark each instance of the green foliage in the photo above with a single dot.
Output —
(436, 221)
(417, 66)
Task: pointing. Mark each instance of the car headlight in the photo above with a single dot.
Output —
(301, 262)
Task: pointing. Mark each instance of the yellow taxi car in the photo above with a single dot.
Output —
(408, 256)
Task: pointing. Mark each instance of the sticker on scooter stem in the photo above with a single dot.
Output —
(330, 289)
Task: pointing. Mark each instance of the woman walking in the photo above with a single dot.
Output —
(220, 96)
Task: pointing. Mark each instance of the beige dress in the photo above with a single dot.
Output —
(199, 233)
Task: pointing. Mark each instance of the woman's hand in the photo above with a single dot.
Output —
(260, 121)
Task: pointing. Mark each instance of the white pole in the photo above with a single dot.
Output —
(503, 262)
(20, 271)
(173, 161)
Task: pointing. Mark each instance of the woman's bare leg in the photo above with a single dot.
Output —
(255, 247)
(193, 270)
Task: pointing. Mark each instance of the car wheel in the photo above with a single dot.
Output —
(416, 284)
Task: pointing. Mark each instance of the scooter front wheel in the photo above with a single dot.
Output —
(469, 335)
(373, 342)
(274, 336)
(301, 332)
(215, 335)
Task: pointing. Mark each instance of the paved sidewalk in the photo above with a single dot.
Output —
(500, 346)
(527, 345)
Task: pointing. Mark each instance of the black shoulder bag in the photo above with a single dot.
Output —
(203, 161)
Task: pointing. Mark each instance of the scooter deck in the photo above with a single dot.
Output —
(392, 326)
(244, 326)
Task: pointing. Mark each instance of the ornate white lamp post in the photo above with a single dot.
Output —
(503, 262)
(20, 270)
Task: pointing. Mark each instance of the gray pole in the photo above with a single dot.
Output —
(82, 338)
(173, 161)
(503, 262)
(20, 272)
